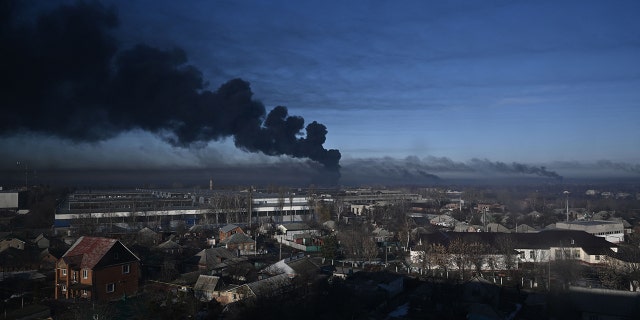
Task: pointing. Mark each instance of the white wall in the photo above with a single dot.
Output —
(8, 200)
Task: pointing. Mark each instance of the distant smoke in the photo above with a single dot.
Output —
(513, 168)
(387, 171)
(430, 169)
(65, 76)
(619, 166)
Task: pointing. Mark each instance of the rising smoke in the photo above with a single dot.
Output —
(64, 75)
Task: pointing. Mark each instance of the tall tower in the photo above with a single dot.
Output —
(210, 184)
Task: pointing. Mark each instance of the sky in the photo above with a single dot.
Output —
(421, 88)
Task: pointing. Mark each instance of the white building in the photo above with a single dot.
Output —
(612, 231)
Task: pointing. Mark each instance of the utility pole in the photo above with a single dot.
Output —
(566, 193)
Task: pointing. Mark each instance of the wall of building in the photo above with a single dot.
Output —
(125, 284)
(8, 200)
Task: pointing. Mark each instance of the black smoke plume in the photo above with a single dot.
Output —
(64, 75)
(513, 168)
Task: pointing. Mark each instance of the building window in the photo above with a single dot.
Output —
(597, 257)
(84, 292)
(64, 272)
(64, 288)
(85, 274)
(125, 269)
(111, 287)
(532, 254)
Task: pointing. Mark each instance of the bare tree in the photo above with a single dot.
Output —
(506, 246)
(291, 215)
(624, 272)
(369, 248)
(477, 255)
(438, 256)
(459, 250)
(338, 205)
(281, 194)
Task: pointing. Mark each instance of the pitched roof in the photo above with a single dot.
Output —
(86, 252)
(169, 244)
(228, 228)
(213, 256)
(237, 238)
(147, 232)
(269, 286)
(206, 283)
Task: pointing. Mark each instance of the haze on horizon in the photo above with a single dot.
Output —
(416, 90)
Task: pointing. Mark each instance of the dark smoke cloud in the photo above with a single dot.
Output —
(65, 76)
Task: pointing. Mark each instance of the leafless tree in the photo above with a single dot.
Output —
(291, 212)
(622, 273)
(438, 256)
(281, 195)
(506, 246)
(477, 255)
(459, 250)
(338, 205)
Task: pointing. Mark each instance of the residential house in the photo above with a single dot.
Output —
(524, 228)
(41, 241)
(496, 227)
(11, 242)
(239, 243)
(382, 235)
(289, 230)
(169, 247)
(229, 230)
(465, 227)
(264, 288)
(612, 231)
(206, 287)
(444, 221)
(299, 265)
(544, 246)
(99, 269)
(147, 237)
(208, 258)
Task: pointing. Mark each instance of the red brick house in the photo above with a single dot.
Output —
(229, 230)
(100, 269)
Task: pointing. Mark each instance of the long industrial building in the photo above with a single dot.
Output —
(166, 208)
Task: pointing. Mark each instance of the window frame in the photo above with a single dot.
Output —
(113, 287)
(85, 274)
(64, 272)
(126, 268)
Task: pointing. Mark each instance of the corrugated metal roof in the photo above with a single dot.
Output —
(206, 283)
(86, 252)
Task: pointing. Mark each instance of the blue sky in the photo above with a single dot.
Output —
(528, 81)
(537, 82)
